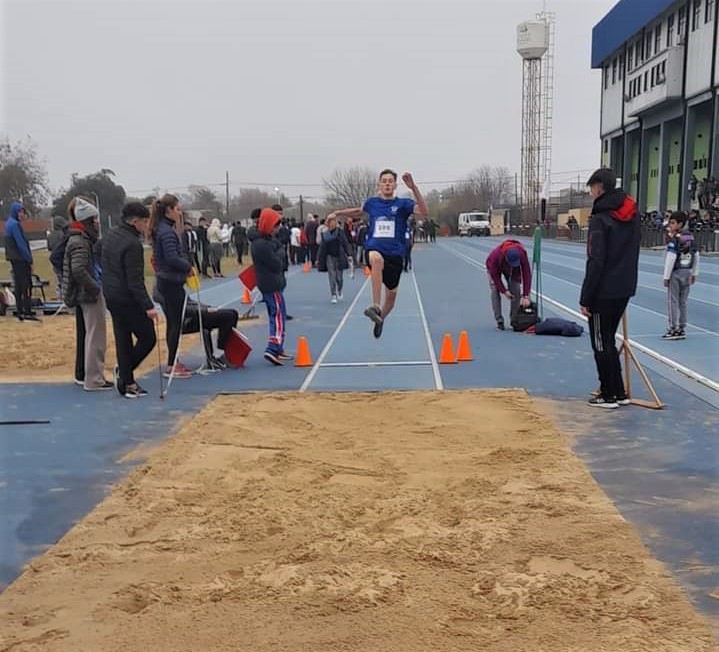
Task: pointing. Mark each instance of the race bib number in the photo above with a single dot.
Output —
(685, 260)
(384, 229)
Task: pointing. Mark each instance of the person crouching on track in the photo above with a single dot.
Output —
(508, 261)
(130, 306)
(268, 259)
(171, 268)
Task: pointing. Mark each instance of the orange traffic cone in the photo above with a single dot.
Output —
(306, 268)
(367, 270)
(303, 357)
(464, 351)
(446, 354)
(246, 299)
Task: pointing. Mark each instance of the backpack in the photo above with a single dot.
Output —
(58, 253)
(525, 318)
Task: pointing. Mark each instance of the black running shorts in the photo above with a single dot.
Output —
(392, 270)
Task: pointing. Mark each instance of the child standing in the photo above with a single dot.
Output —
(681, 268)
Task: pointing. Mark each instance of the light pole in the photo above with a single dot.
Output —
(277, 192)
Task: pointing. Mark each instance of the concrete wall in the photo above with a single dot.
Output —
(699, 53)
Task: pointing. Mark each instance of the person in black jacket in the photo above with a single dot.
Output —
(333, 257)
(610, 280)
(268, 259)
(172, 269)
(204, 246)
(130, 306)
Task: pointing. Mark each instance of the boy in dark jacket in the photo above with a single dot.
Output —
(610, 280)
(268, 258)
(19, 255)
(132, 310)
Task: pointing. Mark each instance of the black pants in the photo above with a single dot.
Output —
(222, 319)
(129, 321)
(314, 249)
(205, 256)
(22, 280)
(174, 295)
(79, 345)
(603, 324)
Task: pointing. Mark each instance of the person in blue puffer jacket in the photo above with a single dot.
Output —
(172, 267)
(19, 255)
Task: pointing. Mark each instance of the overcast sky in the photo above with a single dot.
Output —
(168, 93)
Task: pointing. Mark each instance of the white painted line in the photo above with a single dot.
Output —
(708, 382)
(313, 372)
(407, 363)
(435, 367)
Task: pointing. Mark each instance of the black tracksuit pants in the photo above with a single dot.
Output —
(174, 295)
(22, 280)
(603, 324)
(128, 321)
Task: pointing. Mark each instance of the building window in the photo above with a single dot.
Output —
(646, 81)
(670, 30)
(696, 14)
(681, 22)
(648, 46)
(630, 58)
(658, 38)
(621, 67)
(606, 77)
(614, 71)
(640, 51)
(709, 11)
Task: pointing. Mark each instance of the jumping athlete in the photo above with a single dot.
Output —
(386, 243)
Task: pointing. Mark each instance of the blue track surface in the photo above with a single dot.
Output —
(661, 468)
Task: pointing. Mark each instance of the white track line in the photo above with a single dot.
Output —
(313, 372)
(399, 363)
(708, 382)
(435, 367)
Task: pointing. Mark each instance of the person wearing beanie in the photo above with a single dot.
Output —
(268, 260)
(612, 271)
(172, 269)
(19, 255)
(82, 290)
(508, 263)
(130, 306)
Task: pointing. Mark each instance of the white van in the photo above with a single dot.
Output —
(474, 223)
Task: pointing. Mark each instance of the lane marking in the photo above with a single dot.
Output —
(313, 372)
(673, 364)
(633, 305)
(435, 367)
(399, 363)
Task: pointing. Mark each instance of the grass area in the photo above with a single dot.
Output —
(43, 269)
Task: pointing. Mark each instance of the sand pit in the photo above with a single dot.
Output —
(393, 522)
(45, 351)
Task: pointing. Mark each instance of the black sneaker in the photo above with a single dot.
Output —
(374, 313)
(377, 329)
(500, 324)
(669, 335)
(680, 335)
(273, 358)
(32, 318)
(623, 400)
(134, 391)
(101, 388)
(216, 363)
(79, 382)
(285, 356)
(599, 401)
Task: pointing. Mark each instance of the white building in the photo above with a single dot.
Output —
(660, 106)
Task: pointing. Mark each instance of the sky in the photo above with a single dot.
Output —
(170, 93)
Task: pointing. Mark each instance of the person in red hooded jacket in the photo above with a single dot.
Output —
(509, 261)
(269, 261)
(610, 279)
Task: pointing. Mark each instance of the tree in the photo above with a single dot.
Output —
(250, 198)
(204, 199)
(350, 187)
(22, 176)
(97, 186)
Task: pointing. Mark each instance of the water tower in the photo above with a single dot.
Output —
(534, 44)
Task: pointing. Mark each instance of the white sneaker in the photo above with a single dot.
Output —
(333, 299)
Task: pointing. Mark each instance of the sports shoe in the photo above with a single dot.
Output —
(623, 400)
(599, 401)
(377, 329)
(180, 372)
(340, 296)
(333, 299)
(31, 318)
(285, 356)
(78, 382)
(374, 313)
(680, 335)
(273, 358)
(671, 334)
(500, 324)
(134, 391)
(100, 388)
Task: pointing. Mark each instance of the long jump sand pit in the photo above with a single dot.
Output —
(341, 522)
